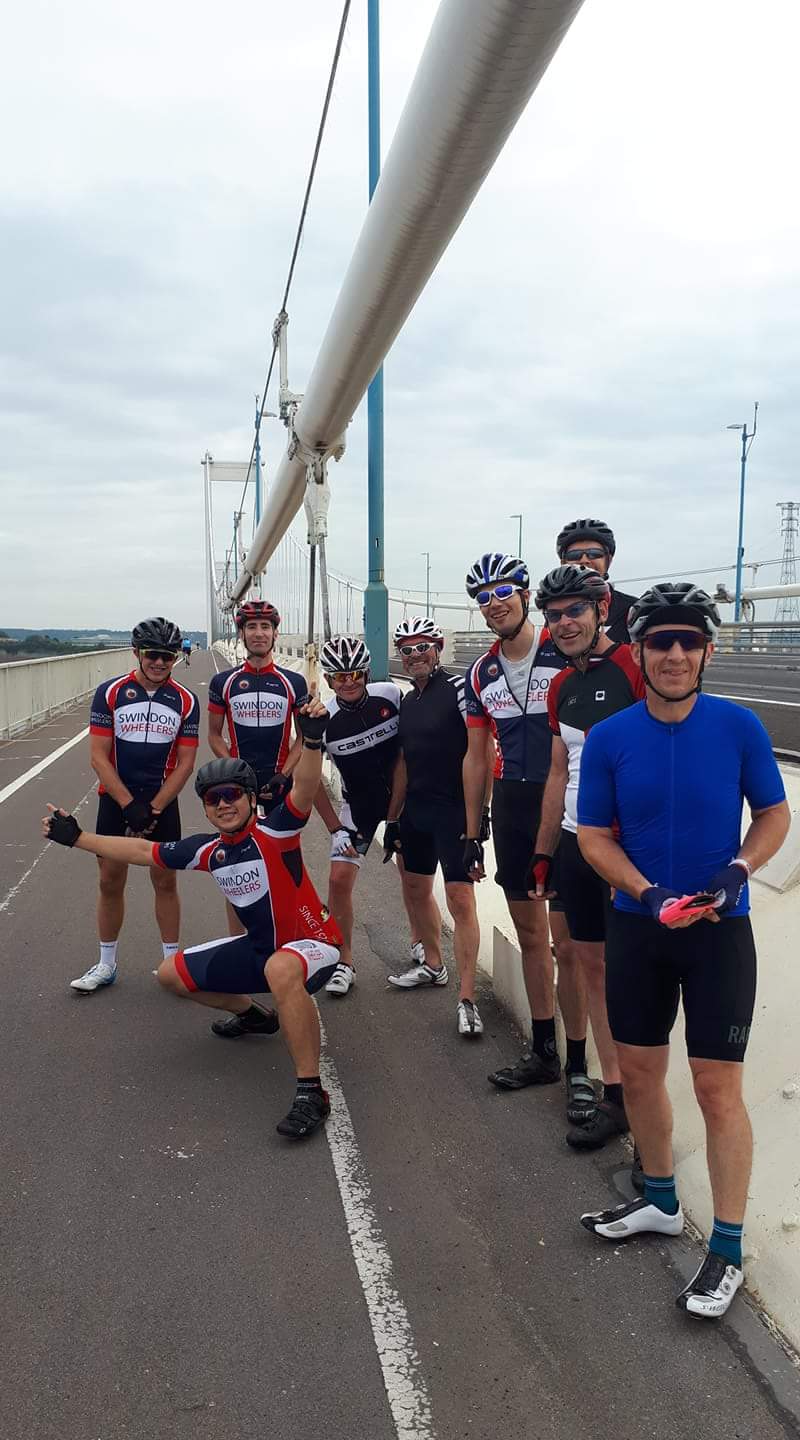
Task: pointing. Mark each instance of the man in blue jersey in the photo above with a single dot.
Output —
(143, 745)
(659, 817)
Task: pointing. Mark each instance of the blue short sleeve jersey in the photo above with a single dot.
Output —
(522, 736)
(676, 792)
(145, 729)
(258, 706)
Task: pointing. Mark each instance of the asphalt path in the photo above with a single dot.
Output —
(172, 1268)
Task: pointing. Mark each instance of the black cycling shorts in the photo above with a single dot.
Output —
(432, 834)
(649, 968)
(585, 896)
(516, 811)
(556, 905)
(111, 821)
(234, 967)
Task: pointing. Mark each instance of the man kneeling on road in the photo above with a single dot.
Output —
(259, 867)
(659, 817)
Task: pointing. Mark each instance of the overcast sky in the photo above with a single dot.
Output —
(624, 287)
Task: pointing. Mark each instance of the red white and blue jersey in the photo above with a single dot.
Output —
(260, 871)
(145, 729)
(258, 706)
(522, 735)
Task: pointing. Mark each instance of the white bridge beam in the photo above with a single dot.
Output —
(479, 68)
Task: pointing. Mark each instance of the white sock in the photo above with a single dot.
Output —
(108, 953)
(170, 948)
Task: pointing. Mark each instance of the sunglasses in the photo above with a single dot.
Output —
(168, 656)
(415, 649)
(223, 794)
(339, 677)
(572, 612)
(593, 552)
(500, 592)
(665, 639)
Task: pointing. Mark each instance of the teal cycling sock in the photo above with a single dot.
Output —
(659, 1190)
(726, 1239)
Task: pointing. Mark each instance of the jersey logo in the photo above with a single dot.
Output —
(219, 855)
(385, 711)
(599, 694)
(243, 883)
(492, 670)
(130, 693)
(244, 684)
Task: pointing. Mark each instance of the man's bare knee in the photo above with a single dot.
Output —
(164, 881)
(718, 1093)
(169, 979)
(284, 974)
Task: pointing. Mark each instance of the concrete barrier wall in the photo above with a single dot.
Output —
(31, 691)
(772, 1237)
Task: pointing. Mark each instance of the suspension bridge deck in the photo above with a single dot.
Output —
(173, 1269)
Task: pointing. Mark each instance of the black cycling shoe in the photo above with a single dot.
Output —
(529, 1070)
(581, 1098)
(308, 1112)
(609, 1121)
(637, 1173)
(238, 1025)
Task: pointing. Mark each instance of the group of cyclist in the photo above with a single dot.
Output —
(613, 792)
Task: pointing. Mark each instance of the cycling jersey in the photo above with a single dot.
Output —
(617, 622)
(579, 699)
(362, 741)
(522, 735)
(260, 871)
(258, 706)
(433, 737)
(145, 729)
(676, 790)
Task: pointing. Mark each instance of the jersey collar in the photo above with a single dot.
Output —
(254, 670)
(240, 835)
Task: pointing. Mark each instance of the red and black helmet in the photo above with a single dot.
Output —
(256, 610)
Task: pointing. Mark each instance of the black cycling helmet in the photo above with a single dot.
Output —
(256, 610)
(156, 634)
(226, 772)
(674, 602)
(568, 580)
(587, 530)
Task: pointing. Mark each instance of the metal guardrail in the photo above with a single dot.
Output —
(764, 637)
(32, 691)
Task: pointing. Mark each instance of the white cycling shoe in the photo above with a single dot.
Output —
(342, 980)
(710, 1292)
(95, 978)
(418, 975)
(635, 1217)
(469, 1021)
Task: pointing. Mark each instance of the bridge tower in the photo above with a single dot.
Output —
(788, 606)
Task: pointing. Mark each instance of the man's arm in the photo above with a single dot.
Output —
(397, 799)
(766, 834)
(324, 808)
(294, 754)
(475, 772)
(109, 847)
(100, 760)
(308, 770)
(175, 781)
(555, 789)
(215, 736)
(607, 857)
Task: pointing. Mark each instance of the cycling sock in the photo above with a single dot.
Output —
(544, 1038)
(170, 948)
(659, 1190)
(108, 952)
(576, 1057)
(726, 1239)
(613, 1094)
(309, 1085)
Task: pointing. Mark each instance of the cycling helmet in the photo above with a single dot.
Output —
(256, 610)
(493, 567)
(156, 634)
(568, 580)
(587, 530)
(226, 772)
(344, 652)
(674, 602)
(419, 627)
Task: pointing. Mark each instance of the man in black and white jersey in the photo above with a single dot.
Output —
(361, 739)
(429, 804)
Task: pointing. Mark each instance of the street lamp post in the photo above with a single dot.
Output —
(427, 555)
(376, 596)
(519, 544)
(748, 437)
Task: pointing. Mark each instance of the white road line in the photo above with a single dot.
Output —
(35, 770)
(15, 889)
(751, 700)
(406, 1390)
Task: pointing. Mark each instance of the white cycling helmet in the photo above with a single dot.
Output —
(496, 566)
(419, 627)
(344, 652)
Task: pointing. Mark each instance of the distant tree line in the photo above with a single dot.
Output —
(40, 647)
